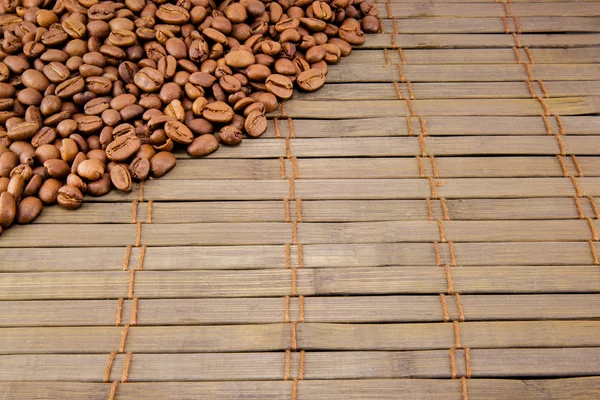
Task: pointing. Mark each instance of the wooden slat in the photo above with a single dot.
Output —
(258, 233)
(489, 9)
(278, 282)
(28, 259)
(325, 211)
(480, 40)
(436, 126)
(270, 337)
(344, 309)
(318, 365)
(473, 56)
(390, 108)
(462, 90)
(461, 73)
(385, 389)
(493, 25)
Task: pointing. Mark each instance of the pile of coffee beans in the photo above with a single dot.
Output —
(97, 94)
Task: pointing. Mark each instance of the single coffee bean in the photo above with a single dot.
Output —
(69, 197)
(35, 80)
(123, 147)
(49, 191)
(16, 184)
(8, 209)
(148, 79)
(218, 112)
(90, 169)
(269, 100)
(100, 187)
(311, 80)
(178, 132)
(28, 209)
(96, 106)
(230, 135)
(256, 123)
(76, 181)
(120, 177)
(69, 87)
(23, 131)
(56, 72)
(33, 186)
(239, 58)
(57, 168)
(140, 168)
(68, 150)
(203, 145)
(89, 124)
(162, 163)
(172, 14)
(280, 85)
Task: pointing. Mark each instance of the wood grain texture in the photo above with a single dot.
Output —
(309, 281)
(338, 309)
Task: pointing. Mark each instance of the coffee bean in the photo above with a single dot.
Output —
(90, 169)
(230, 135)
(28, 209)
(123, 147)
(120, 177)
(45, 135)
(203, 145)
(280, 85)
(33, 186)
(69, 87)
(140, 168)
(69, 197)
(162, 163)
(178, 132)
(49, 191)
(311, 80)
(239, 58)
(8, 209)
(76, 181)
(35, 80)
(96, 106)
(57, 168)
(148, 79)
(256, 123)
(218, 112)
(23, 131)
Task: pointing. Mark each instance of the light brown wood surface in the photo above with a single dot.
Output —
(422, 227)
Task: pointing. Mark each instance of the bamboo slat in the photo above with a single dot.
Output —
(313, 281)
(317, 365)
(461, 73)
(474, 56)
(314, 256)
(264, 233)
(481, 40)
(493, 25)
(436, 126)
(310, 336)
(455, 107)
(268, 310)
(385, 389)
(489, 9)
(463, 90)
(326, 211)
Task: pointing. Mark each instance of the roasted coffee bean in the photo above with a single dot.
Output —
(148, 79)
(140, 168)
(8, 209)
(56, 72)
(162, 163)
(57, 168)
(49, 191)
(218, 112)
(230, 135)
(120, 177)
(8, 161)
(35, 80)
(256, 123)
(90, 169)
(28, 209)
(100, 187)
(311, 80)
(69, 87)
(178, 132)
(33, 186)
(15, 186)
(203, 145)
(76, 181)
(123, 147)
(280, 85)
(69, 197)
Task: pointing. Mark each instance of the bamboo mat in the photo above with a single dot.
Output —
(423, 227)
